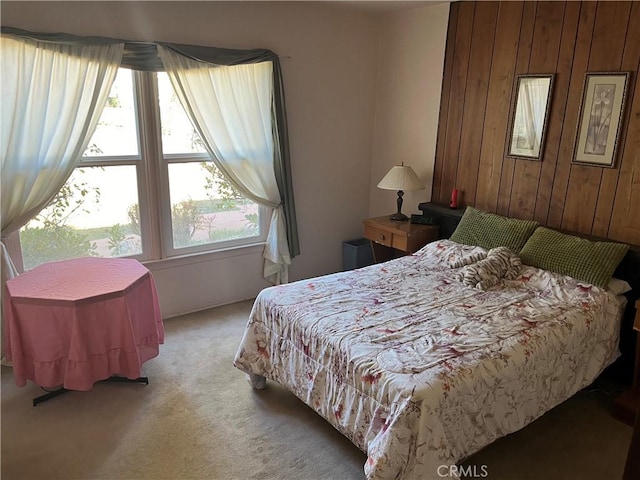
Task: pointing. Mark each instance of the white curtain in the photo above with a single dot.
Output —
(231, 107)
(52, 98)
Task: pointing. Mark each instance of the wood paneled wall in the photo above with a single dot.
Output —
(488, 43)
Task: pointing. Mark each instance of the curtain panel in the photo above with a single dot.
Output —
(45, 131)
(231, 107)
(144, 56)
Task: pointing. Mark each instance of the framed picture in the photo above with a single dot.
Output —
(600, 118)
(531, 100)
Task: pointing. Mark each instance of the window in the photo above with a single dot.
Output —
(146, 187)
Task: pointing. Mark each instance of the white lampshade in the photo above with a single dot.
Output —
(401, 177)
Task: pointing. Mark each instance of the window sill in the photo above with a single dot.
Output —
(202, 257)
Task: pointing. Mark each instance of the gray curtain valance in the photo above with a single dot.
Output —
(144, 56)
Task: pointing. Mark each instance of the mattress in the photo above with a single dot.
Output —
(420, 371)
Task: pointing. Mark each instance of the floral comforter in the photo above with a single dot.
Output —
(420, 371)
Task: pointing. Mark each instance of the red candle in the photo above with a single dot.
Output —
(454, 198)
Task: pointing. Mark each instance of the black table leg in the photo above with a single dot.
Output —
(49, 396)
(114, 379)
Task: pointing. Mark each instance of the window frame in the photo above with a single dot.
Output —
(163, 198)
(152, 176)
(165, 208)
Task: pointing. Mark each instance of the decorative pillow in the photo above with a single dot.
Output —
(584, 260)
(489, 230)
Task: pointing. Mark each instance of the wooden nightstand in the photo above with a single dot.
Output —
(626, 405)
(390, 239)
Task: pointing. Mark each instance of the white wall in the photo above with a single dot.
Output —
(329, 58)
(329, 55)
(412, 47)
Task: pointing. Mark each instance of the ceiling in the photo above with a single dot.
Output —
(385, 5)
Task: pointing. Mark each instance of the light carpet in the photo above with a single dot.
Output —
(199, 419)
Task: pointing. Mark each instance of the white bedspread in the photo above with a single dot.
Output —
(420, 371)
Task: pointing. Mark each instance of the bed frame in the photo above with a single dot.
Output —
(628, 270)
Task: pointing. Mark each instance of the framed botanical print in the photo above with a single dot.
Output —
(600, 118)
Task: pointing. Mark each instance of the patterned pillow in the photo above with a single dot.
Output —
(488, 230)
(584, 260)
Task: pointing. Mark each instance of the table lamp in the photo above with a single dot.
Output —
(400, 178)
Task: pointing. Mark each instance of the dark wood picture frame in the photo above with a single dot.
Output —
(600, 118)
(531, 103)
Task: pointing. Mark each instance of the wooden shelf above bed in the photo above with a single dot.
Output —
(447, 218)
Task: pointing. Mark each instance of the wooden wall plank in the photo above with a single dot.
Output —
(499, 96)
(521, 66)
(570, 38)
(475, 103)
(545, 48)
(610, 176)
(556, 126)
(607, 46)
(626, 215)
(444, 100)
(456, 101)
(580, 62)
(625, 219)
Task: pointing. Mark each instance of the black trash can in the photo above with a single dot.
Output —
(356, 254)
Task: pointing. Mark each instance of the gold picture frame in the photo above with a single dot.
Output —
(531, 104)
(600, 118)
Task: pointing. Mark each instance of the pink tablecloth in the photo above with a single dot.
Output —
(74, 322)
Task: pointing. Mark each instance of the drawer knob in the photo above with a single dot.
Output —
(382, 237)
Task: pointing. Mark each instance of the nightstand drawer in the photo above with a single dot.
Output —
(401, 243)
(383, 237)
(391, 239)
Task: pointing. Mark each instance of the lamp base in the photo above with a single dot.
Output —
(399, 217)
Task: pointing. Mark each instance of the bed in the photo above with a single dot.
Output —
(420, 371)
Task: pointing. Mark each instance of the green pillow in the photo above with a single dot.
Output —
(488, 230)
(584, 260)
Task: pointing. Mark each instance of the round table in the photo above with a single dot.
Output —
(75, 322)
